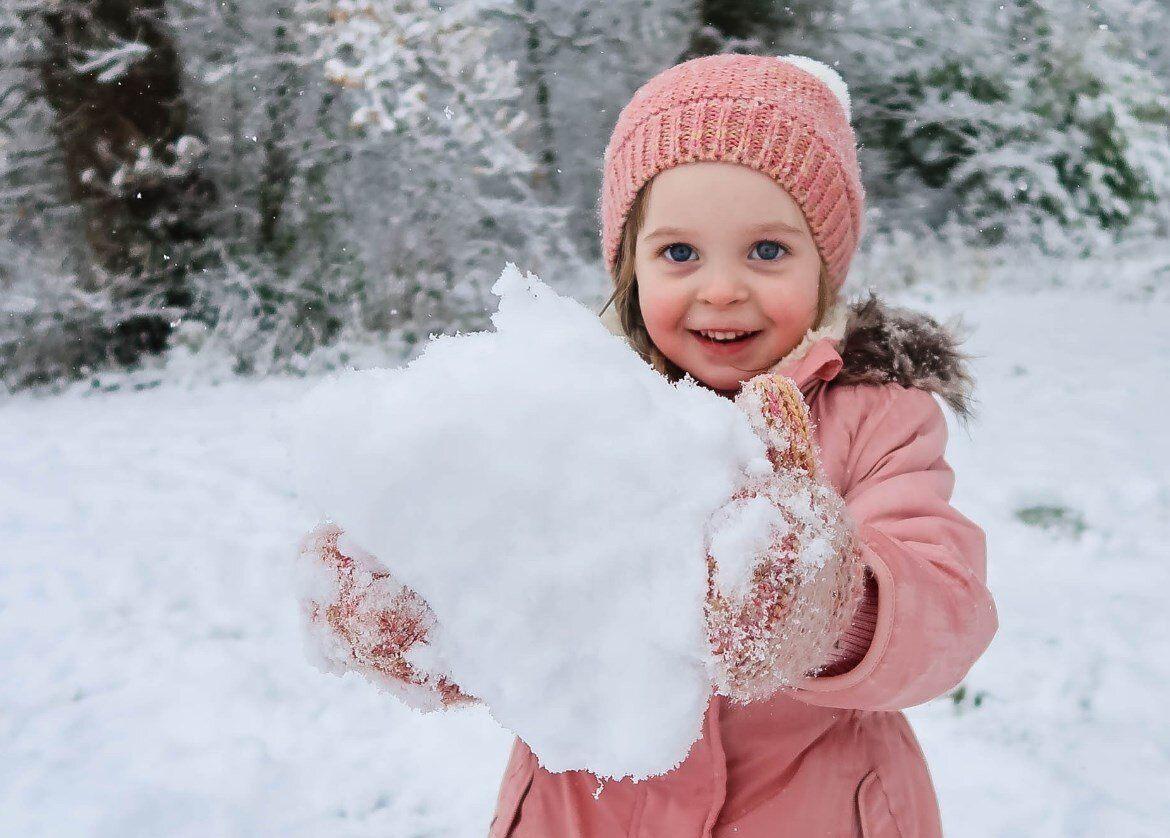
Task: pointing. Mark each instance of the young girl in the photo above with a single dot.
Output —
(731, 208)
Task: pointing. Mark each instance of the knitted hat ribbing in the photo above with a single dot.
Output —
(773, 114)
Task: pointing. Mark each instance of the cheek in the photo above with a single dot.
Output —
(793, 306)
(662, 311)
(794, 317)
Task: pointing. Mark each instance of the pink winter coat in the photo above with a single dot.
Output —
(832, 756)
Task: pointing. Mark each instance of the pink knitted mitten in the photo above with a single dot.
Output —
(357, 616)
(783, 620)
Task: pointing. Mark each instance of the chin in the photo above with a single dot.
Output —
(725, 382)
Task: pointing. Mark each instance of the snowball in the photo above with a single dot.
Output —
(547, 493)
(831, 78)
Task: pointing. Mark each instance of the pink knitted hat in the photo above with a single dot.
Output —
(787, 117)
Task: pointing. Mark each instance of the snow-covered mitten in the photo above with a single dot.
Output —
(357, 616)
(784, 566)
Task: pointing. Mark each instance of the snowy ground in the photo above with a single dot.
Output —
(153, 682)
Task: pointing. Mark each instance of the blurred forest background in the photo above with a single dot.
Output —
(259, 186)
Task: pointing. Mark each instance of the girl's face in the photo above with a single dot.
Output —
(727, 271)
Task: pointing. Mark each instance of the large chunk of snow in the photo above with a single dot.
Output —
(546, 492)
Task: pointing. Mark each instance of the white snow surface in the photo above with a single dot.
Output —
(154, 681)
(547, 493)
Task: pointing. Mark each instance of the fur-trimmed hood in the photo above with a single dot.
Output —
(884, 343)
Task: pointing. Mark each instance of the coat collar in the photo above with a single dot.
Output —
(816, 357)
(820, 362)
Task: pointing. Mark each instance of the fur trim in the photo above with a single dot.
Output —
(885, 343)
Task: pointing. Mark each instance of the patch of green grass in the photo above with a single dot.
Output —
(1056, 518)
(964, 699)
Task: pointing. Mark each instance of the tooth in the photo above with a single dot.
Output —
(722, 335)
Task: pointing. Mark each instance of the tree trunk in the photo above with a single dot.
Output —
(755, 26)
(276, 168)
(112, 76)
(534, 68)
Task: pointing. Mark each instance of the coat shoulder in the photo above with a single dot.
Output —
(885, 344)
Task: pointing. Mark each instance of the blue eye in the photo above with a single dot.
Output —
(770, 250)
(677, 249)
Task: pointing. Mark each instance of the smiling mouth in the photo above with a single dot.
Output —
(720, 337)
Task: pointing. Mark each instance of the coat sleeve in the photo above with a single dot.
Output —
(935, 615)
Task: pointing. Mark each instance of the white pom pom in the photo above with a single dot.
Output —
(826, 74)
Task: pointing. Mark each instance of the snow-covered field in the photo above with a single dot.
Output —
(152, 680)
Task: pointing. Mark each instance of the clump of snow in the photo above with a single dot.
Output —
(740, 533)
(316, 582)
(797, 497)
(547, 493)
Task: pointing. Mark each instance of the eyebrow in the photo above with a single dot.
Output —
(764, 227)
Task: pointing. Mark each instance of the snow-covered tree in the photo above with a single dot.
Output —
(463, 198)
(1027, 120)
(56, 314)
(132, 155)
(1144, 26)
(288, 276)
(579, 65)
(102, 193)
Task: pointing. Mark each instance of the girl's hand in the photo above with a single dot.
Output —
(784, 623)
(357, 616)
(776, 410)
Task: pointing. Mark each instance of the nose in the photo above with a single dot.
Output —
(722, 288)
